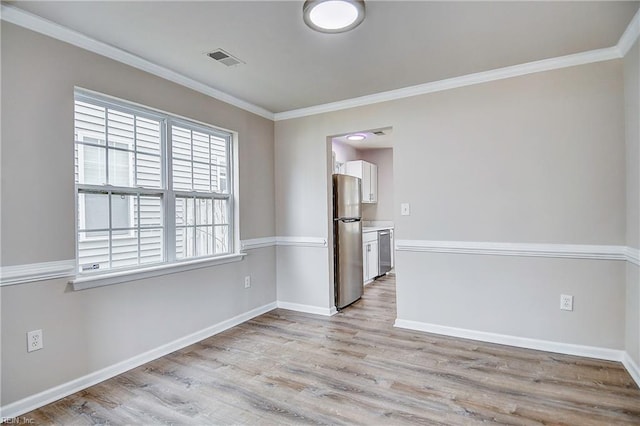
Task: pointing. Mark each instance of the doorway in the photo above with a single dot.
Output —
(368, 155)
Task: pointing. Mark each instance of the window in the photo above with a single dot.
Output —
(136, 208)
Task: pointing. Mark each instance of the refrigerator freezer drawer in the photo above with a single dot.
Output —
(348, 262)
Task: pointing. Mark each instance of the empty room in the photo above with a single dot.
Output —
(324, 211)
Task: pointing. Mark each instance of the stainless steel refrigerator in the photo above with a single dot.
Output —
(347, 239)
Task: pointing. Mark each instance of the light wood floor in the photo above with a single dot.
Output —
(354, 368)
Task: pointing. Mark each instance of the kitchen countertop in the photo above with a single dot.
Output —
(375, 228)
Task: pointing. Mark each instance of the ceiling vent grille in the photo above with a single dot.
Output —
(224, 57)
(379, 133)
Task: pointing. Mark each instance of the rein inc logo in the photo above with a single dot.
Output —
(16, 421)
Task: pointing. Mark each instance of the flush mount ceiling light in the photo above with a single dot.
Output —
(356, 137)
(333, 16)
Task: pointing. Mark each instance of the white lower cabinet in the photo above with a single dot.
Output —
(372, 262)
(393, 251)
(369, 256)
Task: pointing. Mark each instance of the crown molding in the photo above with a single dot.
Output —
(35, 23)
(583, 58)
(630, 35)
(43, 26)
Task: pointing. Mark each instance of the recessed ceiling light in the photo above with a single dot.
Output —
(356, 137)
(333, 16)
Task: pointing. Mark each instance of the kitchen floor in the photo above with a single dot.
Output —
(286, 367)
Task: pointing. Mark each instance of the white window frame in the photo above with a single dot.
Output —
(88, 279)
(81, 223)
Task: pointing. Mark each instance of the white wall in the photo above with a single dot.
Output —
(85, 331)
(532, 159)
(632, 113)
(344, 152)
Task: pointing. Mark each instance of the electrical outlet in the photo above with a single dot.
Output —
(566, 302)
(247, 281)
(34, 340)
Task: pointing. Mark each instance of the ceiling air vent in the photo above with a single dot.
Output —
(224, 58)
(379, 133)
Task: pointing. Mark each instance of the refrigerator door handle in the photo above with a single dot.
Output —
(350, 220)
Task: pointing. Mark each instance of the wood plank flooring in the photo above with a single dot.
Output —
(286, 367)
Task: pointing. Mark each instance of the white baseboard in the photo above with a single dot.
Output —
(524, 342)
(30, 403)
(632, 368)
(309, 309)
(520, 342)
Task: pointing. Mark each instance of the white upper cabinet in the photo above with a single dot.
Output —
(368, 172)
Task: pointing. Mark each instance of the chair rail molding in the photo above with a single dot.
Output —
(302, 241)
(19, 274)
(255, 243)
(572, 251)
(633, 255)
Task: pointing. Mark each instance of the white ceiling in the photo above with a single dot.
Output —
(288, 66)
(377, 138)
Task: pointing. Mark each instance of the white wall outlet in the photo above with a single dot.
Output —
(34, 340)
(566, 302)
(405, 210)
(247, 281)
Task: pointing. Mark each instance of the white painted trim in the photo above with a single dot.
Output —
(284, 241)
(302, 241)
(632, 368)
(573, 251)
(83, 282)
(38, 400)
(633, 255)
(629, 36)
(520, 342)
(43, 26)
(20, 274)
(588, 57)
(257, 243)
(309, 309)
(51, 29)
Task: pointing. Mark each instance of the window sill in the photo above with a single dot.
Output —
(83, 282)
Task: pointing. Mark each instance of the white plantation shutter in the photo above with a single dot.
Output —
(124, 186)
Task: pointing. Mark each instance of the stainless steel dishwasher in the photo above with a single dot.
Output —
(384, 251)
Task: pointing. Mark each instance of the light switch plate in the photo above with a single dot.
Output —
(405, 210)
